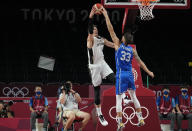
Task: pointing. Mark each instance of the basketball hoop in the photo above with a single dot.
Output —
(146, 8)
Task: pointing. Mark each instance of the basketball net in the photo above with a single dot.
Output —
(146, 8)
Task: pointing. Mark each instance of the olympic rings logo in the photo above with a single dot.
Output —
(132, 115)
(134, 74)
(15, 91)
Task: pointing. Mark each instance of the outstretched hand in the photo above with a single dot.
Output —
(93, 10)
(151, 74)
(104, 11)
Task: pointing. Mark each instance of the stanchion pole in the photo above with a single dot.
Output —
(147, 81)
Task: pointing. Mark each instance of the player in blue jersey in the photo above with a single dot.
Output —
(124, 76)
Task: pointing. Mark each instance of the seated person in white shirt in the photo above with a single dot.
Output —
(69, 100)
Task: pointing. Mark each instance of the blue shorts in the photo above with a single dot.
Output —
(124, 82)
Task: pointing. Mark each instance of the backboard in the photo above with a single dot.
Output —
(162, 4)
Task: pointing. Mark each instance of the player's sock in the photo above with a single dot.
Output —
(98, 109)
(119, 119)
(139, 115)
(120, 123)
(140, 118)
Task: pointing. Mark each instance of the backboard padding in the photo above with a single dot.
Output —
(162, 4)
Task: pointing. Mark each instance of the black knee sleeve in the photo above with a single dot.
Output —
(111, 77)
(97, 95)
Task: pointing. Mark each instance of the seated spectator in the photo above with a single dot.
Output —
(5, 111)
(69, 100)
(183, 106)
(166, 107)
(38, 107)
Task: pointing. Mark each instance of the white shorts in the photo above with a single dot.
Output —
(98, 72)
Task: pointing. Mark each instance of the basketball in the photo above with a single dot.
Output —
(98, 8)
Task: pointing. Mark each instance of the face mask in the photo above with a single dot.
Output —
(165, 92)
(184, 91)
(38, 92)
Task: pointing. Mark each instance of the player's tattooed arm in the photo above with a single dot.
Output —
(142, 64)
(114, 37)
(109, 43)
(136, 56)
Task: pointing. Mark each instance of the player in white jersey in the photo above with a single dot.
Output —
(99, 69)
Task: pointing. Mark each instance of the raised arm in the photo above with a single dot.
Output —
(90, 40)
(76, 95)
(142, 64)
(109, 43)
(114, 38)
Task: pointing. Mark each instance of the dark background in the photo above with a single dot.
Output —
(164, 43)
